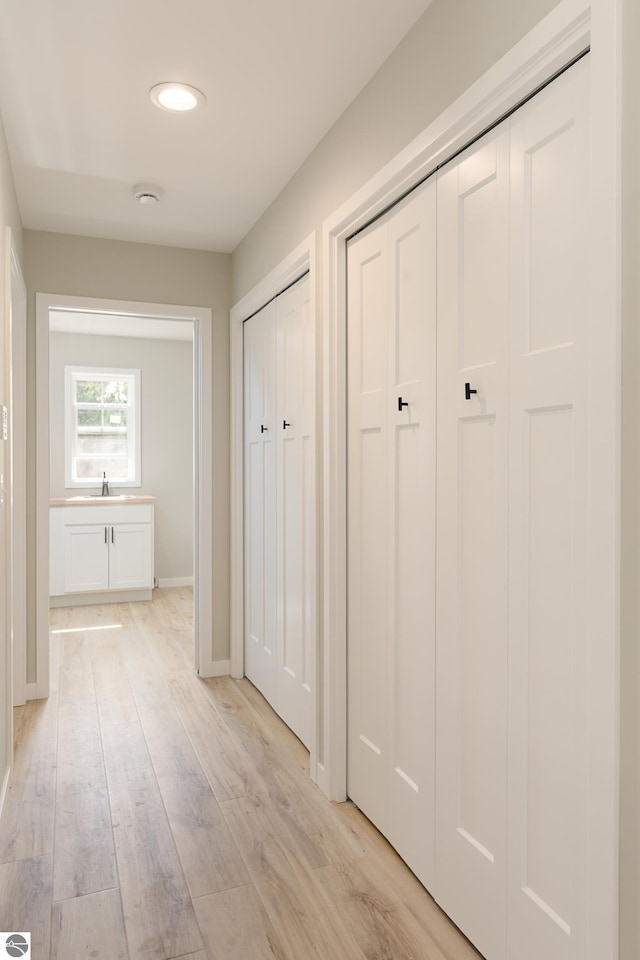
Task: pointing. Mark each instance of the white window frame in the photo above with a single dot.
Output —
(71, 375)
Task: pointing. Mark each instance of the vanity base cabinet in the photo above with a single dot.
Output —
(101, 549)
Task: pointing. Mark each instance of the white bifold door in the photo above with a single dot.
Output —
(280, 512)
(513, 528)
(493, 639)
(391, 525)
(473, 540)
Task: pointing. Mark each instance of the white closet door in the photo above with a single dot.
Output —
(367, 537)
(295, 507)
(391, 526)
(260, 500)
(549, 546)
(472, 553)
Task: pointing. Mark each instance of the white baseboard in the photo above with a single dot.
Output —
(31, 691)
(319, 776)
(217, 668)
(91, 599)
(176, 582)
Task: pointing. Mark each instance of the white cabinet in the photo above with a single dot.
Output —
(280, 514)
(101, 548)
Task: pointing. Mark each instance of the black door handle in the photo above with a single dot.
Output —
(402, 403)
(285, 424)
(468, 391)
(263, 429)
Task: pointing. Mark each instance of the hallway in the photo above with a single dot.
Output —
(155, 815)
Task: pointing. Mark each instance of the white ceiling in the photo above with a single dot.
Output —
(81, 130)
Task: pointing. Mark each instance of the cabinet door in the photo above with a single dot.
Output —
(391, 526)
(471, 719)
(260, 430)
(130, 556)
(296, 570)
(86, 558)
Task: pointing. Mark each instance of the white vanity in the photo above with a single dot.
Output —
(101, 549)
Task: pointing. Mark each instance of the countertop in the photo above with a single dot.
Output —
(121, 499)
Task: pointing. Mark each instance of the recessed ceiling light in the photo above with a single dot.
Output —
(176, 96)
(146, 193)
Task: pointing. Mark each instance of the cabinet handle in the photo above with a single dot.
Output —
(285, 424)
(111, 534)
(263, 429)
(105, 535)
(468, 391)
(402, 403)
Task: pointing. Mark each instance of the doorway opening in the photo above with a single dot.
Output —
(73, 317)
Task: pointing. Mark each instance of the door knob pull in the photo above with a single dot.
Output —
(263, 429)
(402, 403)
(468, 391)
(285, 424)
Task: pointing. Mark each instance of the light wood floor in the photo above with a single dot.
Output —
(155, 815)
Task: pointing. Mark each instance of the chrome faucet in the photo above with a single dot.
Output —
(105, 485)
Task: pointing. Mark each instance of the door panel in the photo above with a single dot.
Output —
(295, 508)
(472, 554)
(86, 558)
(260, 501)
(130, 563)
(548, 537)
(367, 533)
(411, 498)
(391, 348)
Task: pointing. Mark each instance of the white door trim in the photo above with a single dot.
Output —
(300, 261)
(201, 319)
(17, 313)
(569, 29)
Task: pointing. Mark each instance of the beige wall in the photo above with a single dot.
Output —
(452, 44)
(9, 217)
(81, 266)
(166, 387)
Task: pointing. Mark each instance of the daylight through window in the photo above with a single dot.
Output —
(103, 436)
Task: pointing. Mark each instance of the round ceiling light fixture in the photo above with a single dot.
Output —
(146, 193)
(176, 96)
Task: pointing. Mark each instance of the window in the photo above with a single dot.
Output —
(102, 411)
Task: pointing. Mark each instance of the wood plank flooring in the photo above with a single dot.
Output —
(156, 816)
